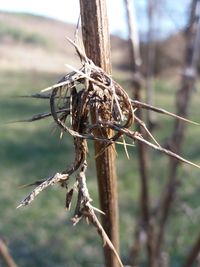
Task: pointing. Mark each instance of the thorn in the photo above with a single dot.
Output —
(20, 205)
(98, 210)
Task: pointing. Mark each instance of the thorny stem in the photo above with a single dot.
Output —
(58, 177)
(84, 208)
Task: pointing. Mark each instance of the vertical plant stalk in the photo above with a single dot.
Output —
(182, 103)
(151, 117)
(192, 256)
(134, 42)
(97, 46)
(5, 255)
(135, 57)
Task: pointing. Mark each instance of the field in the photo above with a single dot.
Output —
(42, 233)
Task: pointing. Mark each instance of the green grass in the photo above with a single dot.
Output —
(42, 234)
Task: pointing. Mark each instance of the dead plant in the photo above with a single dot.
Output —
(71, 101)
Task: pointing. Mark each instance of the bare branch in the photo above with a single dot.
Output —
(139, 104)
(58, 177)
(5, 255)
(193, 254)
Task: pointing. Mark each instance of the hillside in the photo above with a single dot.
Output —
(38, 43)
(30, 42)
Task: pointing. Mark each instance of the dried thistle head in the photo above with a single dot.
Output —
(89, 105)
(85, 94)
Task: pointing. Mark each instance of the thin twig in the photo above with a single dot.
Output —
(58, 177)
(139, 104)
(5, 255)
(193, 254)
(41, 116)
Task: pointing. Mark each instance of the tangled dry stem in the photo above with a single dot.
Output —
(71, 101)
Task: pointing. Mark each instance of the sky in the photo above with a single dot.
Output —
(172, 13)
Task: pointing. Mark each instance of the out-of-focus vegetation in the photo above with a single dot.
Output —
(19, 35)
(42, 234)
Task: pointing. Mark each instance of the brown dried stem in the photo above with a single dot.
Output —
(5, 255)
(193, 254)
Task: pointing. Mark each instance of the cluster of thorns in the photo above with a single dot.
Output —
(73, 99)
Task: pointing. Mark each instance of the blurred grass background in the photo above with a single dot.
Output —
(42, 233)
